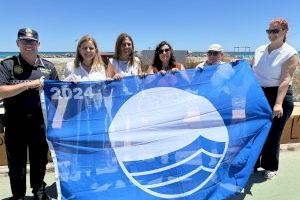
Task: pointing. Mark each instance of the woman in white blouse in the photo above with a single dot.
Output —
(274, 65)
(88, 64)
(124, 62)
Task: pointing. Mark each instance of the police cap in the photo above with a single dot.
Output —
(28, 34)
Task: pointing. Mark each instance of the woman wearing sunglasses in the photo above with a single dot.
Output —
(164, 60)
(124, 62)
(214, 56)
(274, 65)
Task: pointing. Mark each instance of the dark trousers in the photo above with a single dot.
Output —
(20, 134)
(269, 158)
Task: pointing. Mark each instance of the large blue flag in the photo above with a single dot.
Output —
(195, 134)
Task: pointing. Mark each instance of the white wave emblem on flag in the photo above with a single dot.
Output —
(162, 131)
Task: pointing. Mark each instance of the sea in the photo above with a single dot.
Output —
(4, 55)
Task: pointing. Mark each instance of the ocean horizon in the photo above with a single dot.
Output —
(4, 55)
(7, 54)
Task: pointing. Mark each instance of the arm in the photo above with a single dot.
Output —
(286, 76)
(111, 72)
(150, 70)
(140, 71)
(174, 69)
(182, 67)
(141, 74)
(251, 61)
(7, 91)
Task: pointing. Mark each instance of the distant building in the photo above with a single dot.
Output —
(106, 56)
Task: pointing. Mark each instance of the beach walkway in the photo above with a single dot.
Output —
(286, 185)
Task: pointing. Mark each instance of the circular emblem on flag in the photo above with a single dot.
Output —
(18, 69)
(168, 142)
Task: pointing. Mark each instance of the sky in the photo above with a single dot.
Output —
(186, 24)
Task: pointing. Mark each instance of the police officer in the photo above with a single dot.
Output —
(21, 77)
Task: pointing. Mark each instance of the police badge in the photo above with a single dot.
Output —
(18, 69)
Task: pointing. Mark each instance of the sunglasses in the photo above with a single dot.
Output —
(33, 42)
(161, 51)
(274, 31)
(213, 53)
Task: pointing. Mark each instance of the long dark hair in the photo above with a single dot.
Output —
(119, 41)
(157, 62)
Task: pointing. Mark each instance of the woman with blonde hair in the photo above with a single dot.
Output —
(88, 64)
(124, 62)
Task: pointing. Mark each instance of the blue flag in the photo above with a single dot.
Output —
(195, 134)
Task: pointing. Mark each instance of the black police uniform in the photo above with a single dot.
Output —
(24, 124)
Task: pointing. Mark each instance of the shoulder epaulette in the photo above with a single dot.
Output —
(13, 58)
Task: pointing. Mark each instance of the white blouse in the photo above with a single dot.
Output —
(123, 68)
(72, 73)
(267, 66)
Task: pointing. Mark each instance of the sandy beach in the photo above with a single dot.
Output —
(60, 63)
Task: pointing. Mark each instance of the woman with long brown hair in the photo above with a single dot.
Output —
(124, 62)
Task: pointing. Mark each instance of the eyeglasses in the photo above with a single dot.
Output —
(32, 42)
(274, 31)
(213, 53)
(161, 51)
